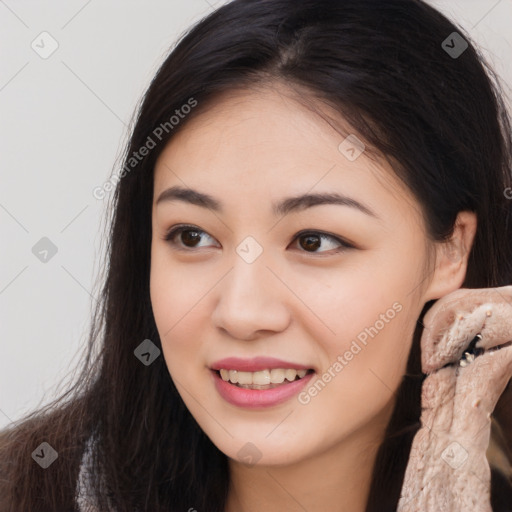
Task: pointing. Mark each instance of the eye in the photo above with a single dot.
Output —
(190, 237)
(313, 240)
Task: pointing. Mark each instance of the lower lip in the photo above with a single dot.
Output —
(258, 398)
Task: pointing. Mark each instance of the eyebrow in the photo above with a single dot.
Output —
(283, 207)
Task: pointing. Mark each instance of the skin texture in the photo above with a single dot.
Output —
(296, 303)
(448, 468)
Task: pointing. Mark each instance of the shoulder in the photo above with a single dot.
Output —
(28, 480)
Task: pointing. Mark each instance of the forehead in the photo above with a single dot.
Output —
(268, 143)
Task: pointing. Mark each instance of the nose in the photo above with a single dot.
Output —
(251, 301)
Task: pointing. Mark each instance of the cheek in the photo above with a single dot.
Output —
(170, 297)
(364, 323)
(180, 303)
(345, 304)
(364, 366)
(176, 289)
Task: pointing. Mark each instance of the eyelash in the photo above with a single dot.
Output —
(176, 230)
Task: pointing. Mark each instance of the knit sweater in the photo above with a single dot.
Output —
(84, 499)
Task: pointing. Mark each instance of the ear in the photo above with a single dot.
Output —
(452, 257)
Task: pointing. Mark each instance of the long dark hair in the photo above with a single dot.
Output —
(438, 117)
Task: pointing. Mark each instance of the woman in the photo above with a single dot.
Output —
(303, 181)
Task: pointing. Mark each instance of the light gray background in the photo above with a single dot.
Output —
(63, 122)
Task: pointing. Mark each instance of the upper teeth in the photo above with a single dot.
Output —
(274, 376)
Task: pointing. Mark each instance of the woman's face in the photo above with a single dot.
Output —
(243, 283)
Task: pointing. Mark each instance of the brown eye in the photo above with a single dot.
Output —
(189, 236)
(311, 241)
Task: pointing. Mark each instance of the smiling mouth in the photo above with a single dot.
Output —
(265, 379)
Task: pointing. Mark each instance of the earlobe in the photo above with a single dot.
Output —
(452, 257)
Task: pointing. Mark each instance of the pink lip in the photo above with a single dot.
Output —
(258, 398)
(255, 364)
